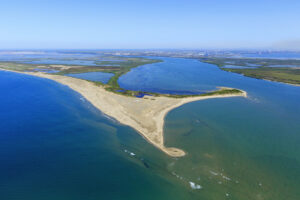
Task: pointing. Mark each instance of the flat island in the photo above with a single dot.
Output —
(146, 114)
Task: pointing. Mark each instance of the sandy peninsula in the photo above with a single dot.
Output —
(146, 115)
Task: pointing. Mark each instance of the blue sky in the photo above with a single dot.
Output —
(92, 24)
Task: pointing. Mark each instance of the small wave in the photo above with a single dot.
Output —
(180, 177)
(254, 99)
(110, 118)
(214, 173)
(221, 174)
(129, 152)
(226, 178)
(195, 186)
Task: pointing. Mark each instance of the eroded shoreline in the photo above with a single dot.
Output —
(146, 115)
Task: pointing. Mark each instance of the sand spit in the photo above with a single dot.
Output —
(146, 115)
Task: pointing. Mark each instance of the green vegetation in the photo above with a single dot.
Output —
(221, 91)
(16, 66)
(251, 62)
(285, 75)
(110, 64)
(84, 69)
(261, 68)
(125, 67)
(116, 65)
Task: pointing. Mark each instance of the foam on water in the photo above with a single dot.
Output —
(226, 178)
(195, 186)
(129, 152)
(214, 173)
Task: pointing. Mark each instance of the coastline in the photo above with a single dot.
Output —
(145, 115)
(292, 84)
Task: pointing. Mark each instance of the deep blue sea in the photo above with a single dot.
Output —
(56, 145)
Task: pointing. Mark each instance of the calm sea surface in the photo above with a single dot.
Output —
(56, 145)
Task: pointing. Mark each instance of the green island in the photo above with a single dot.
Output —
(285, 71)
(116, 65)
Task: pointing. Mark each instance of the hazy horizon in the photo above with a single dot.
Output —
(150, 49)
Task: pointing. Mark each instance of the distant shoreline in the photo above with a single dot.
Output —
(145, 115)
(260, 68)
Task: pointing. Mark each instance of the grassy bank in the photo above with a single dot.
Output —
(285, 75)
(250, 62)
(116, 65)
(269, 69)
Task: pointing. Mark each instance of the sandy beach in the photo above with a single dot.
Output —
(146, 115)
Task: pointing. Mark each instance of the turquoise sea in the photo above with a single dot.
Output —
(56, 145)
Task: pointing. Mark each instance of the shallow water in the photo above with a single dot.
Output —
(55, 145)
(254, 142)
(46, 70)
(93, 76)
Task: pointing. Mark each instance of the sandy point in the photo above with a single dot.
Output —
(146, 115)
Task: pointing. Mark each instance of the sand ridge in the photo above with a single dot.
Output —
(146, 115)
